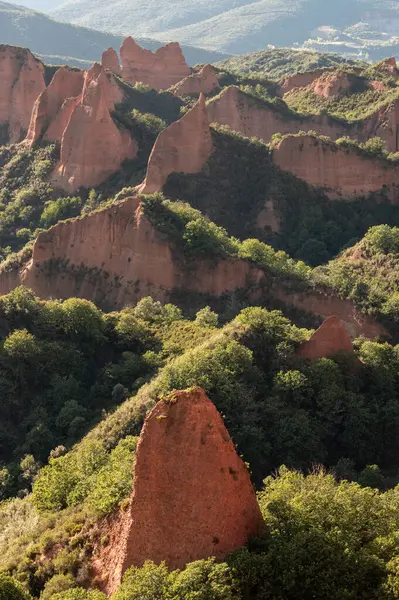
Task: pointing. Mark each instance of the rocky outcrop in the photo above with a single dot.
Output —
(22, 80)
(183, 147)
(159, 70)
(115, 257)
(329, 339)
(388, 66)
(110, 61)
(299, 80)
(48, 119)
(255, 118)
(92, 146)
(329, 85)
(192, 494)
(203, 82)
(342, 171)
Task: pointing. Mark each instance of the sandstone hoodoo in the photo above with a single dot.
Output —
(183, 147)
(110, 60)
(48, 115)
(192, 494)
(92, 146)
(203, 82)
(22, 80)
(160, 70)
(329, 339)
(342, 171)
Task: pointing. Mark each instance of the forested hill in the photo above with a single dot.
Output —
(238, 26)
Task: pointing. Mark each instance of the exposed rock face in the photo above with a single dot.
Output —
(343, 171)
(388, 66)
(299, 80)
(183, 147)
(159, 70)
(203, 82)
(329, 339)
(22, 80)
(329, 85)
(92, 146)
(110, 60)
(250, 117)
(48, 116)
(116, 257)
(192, 496)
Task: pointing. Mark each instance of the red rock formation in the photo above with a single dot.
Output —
(183, 147)
(192, 495)
(159, 70)
(203, 82)
(343, 171)
(48, 115)
(329, 85)
(115, 256)
(388, 65)
(329, 339)
(299, 80)
(110, 60)
(22, 80)
(254, 118)
(92, 146)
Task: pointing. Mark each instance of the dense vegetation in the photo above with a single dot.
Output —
(312, 228)
(278, 408)
(283, 62)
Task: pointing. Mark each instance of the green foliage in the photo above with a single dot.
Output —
(206, 317)
(57, 210)
(200, 580)
(11, 589)
(56, 585)
(78, 594)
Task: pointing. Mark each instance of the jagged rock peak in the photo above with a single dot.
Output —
(205, 81)
(331, 337)
(48, 115)
(110, 60)
(22, 80)
(183, 147)
(92, 146)
(192, 495)
(329, 85)
(160, 70)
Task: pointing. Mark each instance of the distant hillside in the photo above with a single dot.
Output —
(237, 26)
(282, 62)
(58, 42)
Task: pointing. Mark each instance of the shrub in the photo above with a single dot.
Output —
(11, 589)
(57, 584)
(206, 317)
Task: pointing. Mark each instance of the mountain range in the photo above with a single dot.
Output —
(237, 26)
(58, 43)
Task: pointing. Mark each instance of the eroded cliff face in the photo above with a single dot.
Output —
(183, 147)
(252, 118)
(192, 494)
(110, 60)
(203, 82)
(299, 80)
(92, 146)
(329, 339)
(159, 70)
(22, 80)
(329, 85)
(116, 257)
(49, 119)
(342, 171)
